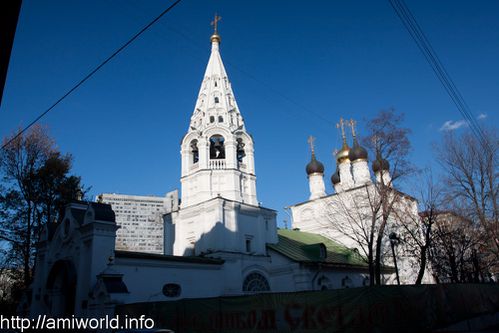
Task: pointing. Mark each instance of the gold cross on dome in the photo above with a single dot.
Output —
(341, 125)
(352, 124)
(310, 141)
(214, 23)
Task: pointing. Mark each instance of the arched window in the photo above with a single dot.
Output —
(216, 100)
(220, 119)
(194, 151)
(212, 119)
(323, 283)
(322, 251)
(255, 282)
(240, 150)
(217, 149)
(366, 281)
(346, 282)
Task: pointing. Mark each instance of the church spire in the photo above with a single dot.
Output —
(217, 152)
(216, 103)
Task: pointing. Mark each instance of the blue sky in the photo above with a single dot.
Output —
(295, 67)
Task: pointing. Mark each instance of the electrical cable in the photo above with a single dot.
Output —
(414, 29)
(89, 75)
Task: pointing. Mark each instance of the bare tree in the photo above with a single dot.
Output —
(453, 253)
(365, 214)
(417, 230)
(354, 216)
(472, 182)
(388, 140)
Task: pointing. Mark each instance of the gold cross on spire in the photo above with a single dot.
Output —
(310, 141)
(214, 23)
(341, 125)
(352, 124)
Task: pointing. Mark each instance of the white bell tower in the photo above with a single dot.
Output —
(217, 152)
(219, 214)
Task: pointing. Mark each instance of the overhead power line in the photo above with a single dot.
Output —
(431, 56)
(89, 75)
(201, 47)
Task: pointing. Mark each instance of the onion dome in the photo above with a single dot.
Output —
(380, 164)
(314, 166)
(335, 178)
(357, 152)
(342, 154)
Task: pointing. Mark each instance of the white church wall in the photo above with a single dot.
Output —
(222, 225)
(83, 249)
(343, 215)
(145, 279)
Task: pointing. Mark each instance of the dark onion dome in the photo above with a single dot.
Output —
(335, 178)
(380, 164)
(342, 155)
(314, 166)
(357, 152)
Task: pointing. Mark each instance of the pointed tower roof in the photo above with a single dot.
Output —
(216, 104)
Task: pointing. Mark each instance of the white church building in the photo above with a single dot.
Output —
(218, 241)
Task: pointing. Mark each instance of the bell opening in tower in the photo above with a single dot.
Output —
(194, 151)
(217, 149)
(240, 150)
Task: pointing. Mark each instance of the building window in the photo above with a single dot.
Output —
(323, 283)
(220, 119)
(172, 290)
(248, 245)
(346, 282)
(255, 282)
(322, 251)
(366, 281)
(212, 119)
(216, 100)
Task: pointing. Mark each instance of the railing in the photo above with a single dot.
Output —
(217, 164)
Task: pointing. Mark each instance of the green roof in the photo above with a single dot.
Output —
(164, 257)
(305, 247)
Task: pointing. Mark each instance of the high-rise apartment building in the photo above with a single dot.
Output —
(140, 219)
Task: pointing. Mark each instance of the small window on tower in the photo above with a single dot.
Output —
(215, 83)
(212, 119)
(248, 245)
(220, 119)
(216, 100)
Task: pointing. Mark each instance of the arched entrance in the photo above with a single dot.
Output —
(61, 289)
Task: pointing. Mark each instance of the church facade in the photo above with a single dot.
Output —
(218, 241)
(361, 203)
